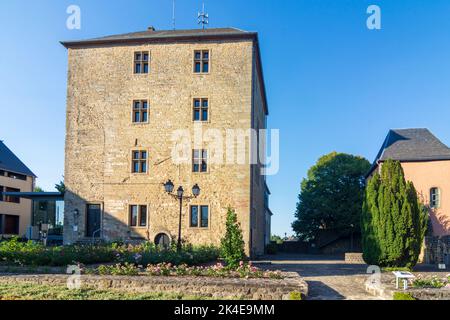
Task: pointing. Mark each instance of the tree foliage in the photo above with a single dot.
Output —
(232, 245)
(331, 196)
(393, 221)
(60, 187)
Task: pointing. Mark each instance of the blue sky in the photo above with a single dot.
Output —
(332, 84)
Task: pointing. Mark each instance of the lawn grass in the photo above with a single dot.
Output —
(45, 292)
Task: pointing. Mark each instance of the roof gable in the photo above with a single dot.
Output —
(10, 162)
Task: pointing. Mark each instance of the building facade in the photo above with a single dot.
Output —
(136, 107)
(15, 213)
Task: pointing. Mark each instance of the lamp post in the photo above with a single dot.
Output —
(169, 187)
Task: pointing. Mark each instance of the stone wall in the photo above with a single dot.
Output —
(356, 258)
(437, 250)
(221, 288)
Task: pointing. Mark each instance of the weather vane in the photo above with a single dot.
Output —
(203, 17)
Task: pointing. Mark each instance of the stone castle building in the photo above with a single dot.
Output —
(127, 95)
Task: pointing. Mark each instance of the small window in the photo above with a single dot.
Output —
(201, 109)
(204, 221)
(140, 111)
(141, 62)
(435, 198)
(194, 216)
(138, 216)
(11, 199)
(200, 161)
(201, 61)
(199, 217)
(139, 164)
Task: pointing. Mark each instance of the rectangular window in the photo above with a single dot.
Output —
(140, 111)
(139, 164)
(194, 217)
(1, 193)
(204, 221)
(143, 216)
(199, 217)
(11, 199)
(138, 216)
(435, 198)
(201, 61)
(133, 215)
(17, 176)
(200, 161)
(201, 109)
(141, 62)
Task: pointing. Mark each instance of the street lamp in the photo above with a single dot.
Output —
(169, 187)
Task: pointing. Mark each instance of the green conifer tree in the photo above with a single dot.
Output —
(232, 245)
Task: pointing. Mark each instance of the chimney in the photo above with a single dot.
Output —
(151, 29)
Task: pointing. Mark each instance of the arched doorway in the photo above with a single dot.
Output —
(162, 240)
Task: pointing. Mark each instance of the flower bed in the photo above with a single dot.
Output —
(245, 270)
(14, 252)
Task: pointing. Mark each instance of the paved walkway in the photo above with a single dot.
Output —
(329, 278)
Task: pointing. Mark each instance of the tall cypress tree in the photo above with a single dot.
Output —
(393, 221)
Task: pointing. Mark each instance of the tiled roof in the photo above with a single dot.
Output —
(10, 162)
(412, 145)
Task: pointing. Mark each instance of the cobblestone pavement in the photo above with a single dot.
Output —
(329, 278)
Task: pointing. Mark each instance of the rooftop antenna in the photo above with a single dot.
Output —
(173, 15)
(203, 18)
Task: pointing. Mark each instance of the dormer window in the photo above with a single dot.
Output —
(435, 198)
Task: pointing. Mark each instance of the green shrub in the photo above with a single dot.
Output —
(232, 245)
(392, 269)
(433, 282)
(295, 295)
(29, 253)
(126, 269)
(403, 296)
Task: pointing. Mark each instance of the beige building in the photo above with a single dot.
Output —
(129, 99)
(426, 162)
(15, 177)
